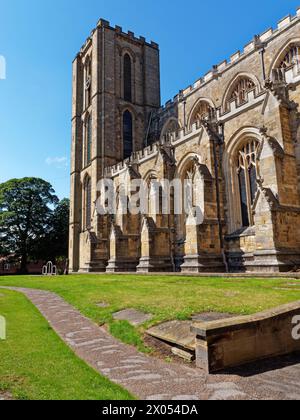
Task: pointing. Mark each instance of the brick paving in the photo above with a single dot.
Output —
(149, 378)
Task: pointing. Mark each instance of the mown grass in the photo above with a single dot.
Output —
(165, 297)
(36, 365)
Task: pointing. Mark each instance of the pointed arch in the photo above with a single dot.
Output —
(127, 77)
(87, 81)
(239, 88)
(188, 170)
(151, 174)
(286, 65)
(288, 57)
(150, 178)
(171, 126)
(193, 193)
(203, 108)
(240, 166)
(185, 162)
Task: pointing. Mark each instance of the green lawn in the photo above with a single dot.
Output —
(165, 297)
(36, 365)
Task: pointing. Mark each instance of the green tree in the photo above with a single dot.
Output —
(3, 251)
(53, 245)
(26, 212)
(58, 237)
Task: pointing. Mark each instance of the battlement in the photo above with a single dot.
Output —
(257, 43)
(135, 158)
(152, 150)
(102, 23)
(172, 102)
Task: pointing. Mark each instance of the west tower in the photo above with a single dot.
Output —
(116, 88)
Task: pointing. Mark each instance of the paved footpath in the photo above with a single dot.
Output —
(149, 378)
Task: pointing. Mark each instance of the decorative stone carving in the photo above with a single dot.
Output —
(240, 90)
(195, 123)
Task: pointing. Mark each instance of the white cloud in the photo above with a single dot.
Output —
(58, 162)
(2, 68)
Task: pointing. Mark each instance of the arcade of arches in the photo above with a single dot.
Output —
(235, 134)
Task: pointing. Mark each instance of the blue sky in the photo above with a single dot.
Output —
(40, 38)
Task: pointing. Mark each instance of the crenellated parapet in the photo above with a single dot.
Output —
(230, 142)
(130, 36)
(257, 43)
(135, 158)
(151, 151)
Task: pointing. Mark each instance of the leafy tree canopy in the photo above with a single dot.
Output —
(30, 215)
(54, 244)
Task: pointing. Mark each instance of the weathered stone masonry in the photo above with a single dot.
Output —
(236, 130)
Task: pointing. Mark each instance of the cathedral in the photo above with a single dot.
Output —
(236, 130)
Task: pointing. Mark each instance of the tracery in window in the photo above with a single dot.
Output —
(291, 58)
(202, 112)
(247, 177)
(240, 91)
(88, 83)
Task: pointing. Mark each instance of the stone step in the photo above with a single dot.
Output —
(185, 355)
(178, 333)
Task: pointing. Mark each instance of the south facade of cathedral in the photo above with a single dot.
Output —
(236, 131)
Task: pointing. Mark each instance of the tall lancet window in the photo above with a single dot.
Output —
(127, 78)
(88, 83)
(88, 203)
(89, 140)
(127, 134)
(247, 175)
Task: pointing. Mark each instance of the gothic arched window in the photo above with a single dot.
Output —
(239, 91)
(88, 203)
(127, 134)
(247, 176)
(202, 111)
(291, 57)
(88, 132)
(127, 78)
(88, 82)
(170, 127)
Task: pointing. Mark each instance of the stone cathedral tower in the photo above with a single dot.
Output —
(116, 88)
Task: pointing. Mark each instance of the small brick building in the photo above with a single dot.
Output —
(11, 265)
(236, 130)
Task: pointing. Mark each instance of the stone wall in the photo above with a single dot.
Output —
(248, 100)
(237, 341)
